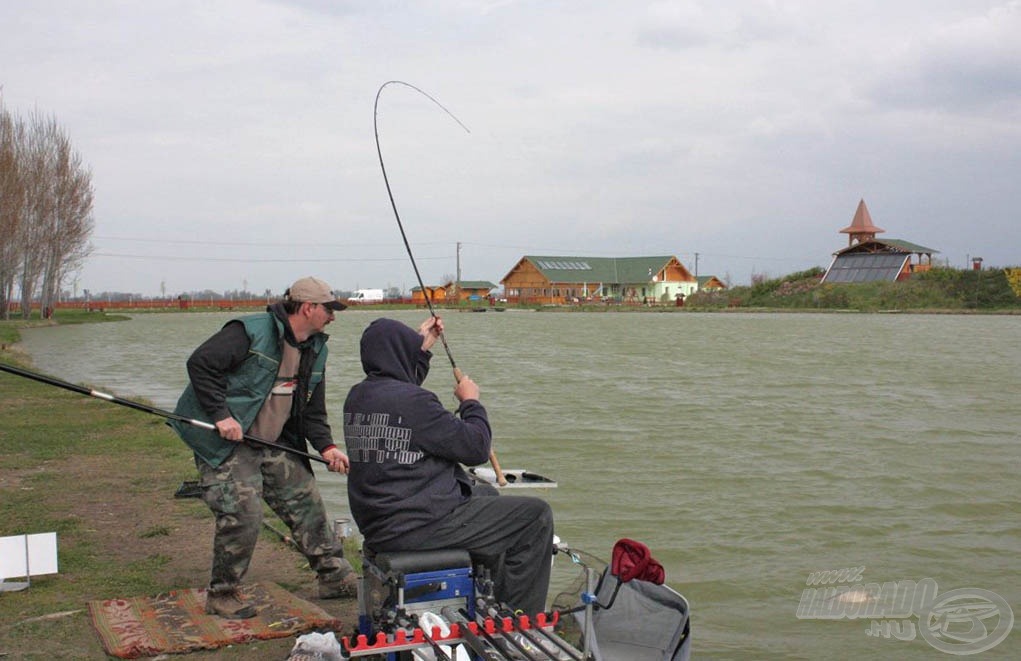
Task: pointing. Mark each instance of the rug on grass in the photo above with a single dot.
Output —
(176, 622)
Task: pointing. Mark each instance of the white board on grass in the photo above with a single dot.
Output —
(28, 555)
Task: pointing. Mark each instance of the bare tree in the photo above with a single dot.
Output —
(12, 204)
(66, 243)
(46, 199)
(37, 170)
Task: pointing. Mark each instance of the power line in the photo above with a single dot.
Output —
(259, 244)
(532, 250)
(257, 261)
(528, 250)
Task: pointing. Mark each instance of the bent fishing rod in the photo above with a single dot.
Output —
(106, 397)
(458, 374)
(393, 204)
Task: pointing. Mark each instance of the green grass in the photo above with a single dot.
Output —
(8, 333)
(62, 456)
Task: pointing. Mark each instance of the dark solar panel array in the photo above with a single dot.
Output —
(866, 267)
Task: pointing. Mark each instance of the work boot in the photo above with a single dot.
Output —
(228, 605)
(338, 585)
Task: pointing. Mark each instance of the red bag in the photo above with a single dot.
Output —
(633, 560)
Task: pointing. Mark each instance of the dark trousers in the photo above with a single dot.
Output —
(516, 529)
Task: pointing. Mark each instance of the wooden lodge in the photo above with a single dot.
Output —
(463, 291)
(436, 294)
(868, 259)
(561, 280)
(454, 292)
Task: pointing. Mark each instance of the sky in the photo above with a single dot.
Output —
(233, 144)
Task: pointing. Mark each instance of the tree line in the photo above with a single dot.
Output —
(46, 199)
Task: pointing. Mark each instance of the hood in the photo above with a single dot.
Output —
(392, 349)
(278, 312)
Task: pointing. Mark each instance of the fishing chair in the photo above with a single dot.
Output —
(398, 586)
(631, 615)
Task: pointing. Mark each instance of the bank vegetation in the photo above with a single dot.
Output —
(938, 290)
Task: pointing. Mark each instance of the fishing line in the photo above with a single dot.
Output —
(501, 480)
(393, 204)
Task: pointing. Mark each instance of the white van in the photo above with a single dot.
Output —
(367, 296)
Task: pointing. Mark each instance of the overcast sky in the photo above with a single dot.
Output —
(232, 143)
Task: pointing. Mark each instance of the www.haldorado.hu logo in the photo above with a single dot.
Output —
(963, 621)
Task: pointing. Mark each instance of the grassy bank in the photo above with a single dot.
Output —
(103, 477)
(940, 290)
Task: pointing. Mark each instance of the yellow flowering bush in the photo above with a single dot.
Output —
(1014, 279)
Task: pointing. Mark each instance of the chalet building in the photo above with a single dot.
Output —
(436, 293)
(709, 282)
(559, 280)
(868, 259)
(468, 290)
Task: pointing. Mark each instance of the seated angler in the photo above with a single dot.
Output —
(407, 488)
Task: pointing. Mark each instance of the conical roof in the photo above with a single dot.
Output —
(862, 223)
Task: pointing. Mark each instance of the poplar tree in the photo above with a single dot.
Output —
(46, 201)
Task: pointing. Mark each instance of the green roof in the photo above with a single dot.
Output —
(475, 284)
(599, 269)
(907, 245)
(893, 245)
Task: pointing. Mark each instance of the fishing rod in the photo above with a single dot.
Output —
(554, 645)
(106, 397)
(458, 374)
(393, 204)
(476, 644)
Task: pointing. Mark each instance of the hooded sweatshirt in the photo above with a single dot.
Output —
(405, 447)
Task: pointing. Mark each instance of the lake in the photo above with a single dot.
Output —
(748, 451)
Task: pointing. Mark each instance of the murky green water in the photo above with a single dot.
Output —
(747, 450)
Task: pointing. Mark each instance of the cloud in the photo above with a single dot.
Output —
(746, 132)
(967, 66)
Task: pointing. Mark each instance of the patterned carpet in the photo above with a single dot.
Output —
(176, 622)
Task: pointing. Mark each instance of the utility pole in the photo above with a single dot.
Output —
(457, 283)
(696, 266)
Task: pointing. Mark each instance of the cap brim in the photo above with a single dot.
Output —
(335, 305)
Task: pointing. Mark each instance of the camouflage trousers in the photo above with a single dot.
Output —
(235, 490)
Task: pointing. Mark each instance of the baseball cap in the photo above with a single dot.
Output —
(313, 290)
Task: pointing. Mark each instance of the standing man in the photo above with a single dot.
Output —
(263, 375)
(407, 488)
